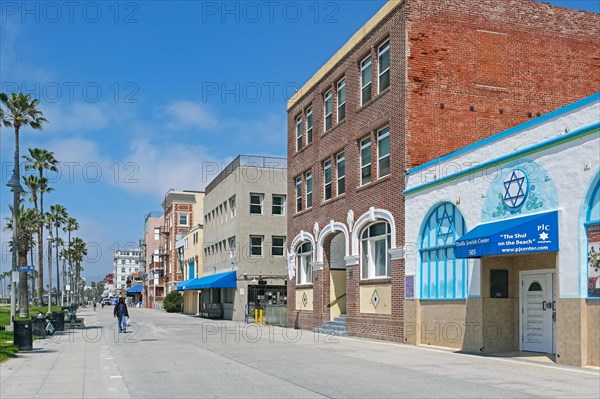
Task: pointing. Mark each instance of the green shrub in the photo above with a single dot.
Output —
(173, 302)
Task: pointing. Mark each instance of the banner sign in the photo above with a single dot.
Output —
(527, 234)
(26, 269)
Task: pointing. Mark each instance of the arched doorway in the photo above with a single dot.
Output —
(334, 252)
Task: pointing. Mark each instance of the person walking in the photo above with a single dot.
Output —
(94, 306)
(121, 313)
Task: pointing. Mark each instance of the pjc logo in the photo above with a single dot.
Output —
(543, 230)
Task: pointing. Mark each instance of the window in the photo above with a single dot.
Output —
(383, 152)
(232, 206)
(304, 264)
(256, 243)
(365, 81)
(183, 219)
(383, 65)
(299, 133)
(341, 100)
(278, 246)
(231, 243)
(365, 161)
(309, 189)
(327, 180)
(278, 207)
(375, 242)
(309, 125)
(341, 173)
(328, 110)
(298, 194)
(442, 275)
(256, 204)
(122, 270)
(156, 234)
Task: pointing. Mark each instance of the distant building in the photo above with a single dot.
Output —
(244, 245)
(153, 253)
(125, 262)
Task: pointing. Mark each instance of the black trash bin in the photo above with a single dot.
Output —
(23, 337)
(59, 321)
(39, 326)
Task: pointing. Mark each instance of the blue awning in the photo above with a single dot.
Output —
(181, 286)
(221, 280)
(135, 289)
(526, 234)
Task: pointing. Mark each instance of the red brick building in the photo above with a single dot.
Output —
(421, 79)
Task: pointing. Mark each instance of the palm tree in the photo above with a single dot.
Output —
(33, 183)
(40, 159)
(27, 224)
(58, 216)
(17, 111)
(70, 226)
(79, 250)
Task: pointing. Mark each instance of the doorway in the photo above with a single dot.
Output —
(337, 276)
(537, 302)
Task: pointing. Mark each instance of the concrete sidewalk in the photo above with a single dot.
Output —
(70, 364)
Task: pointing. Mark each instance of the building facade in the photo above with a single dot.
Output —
(190, 254)
(244, 238)
(421, 79)
(178, 221)
(502, 241)
(153, 249)
(125, 263)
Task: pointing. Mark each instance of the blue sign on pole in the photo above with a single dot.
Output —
(26, 269)
(527, 234)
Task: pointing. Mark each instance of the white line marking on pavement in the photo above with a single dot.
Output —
(116, 376)
(109, 358)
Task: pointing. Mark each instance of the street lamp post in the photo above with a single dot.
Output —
(15, 187)
(50, 239)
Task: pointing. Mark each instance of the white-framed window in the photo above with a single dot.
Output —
(309, 189)
(341, 100)
(327, 180)
(156, 234)
(365, 80)
(231, 244)
(278, 206)
(375, 242)
(277, 248)
(328, 105)
(232, 206)
(256, 204)
(299, 131)
(304, 264)
(340, 161)
(298, 194)
(383, 152)
(309, 125)
(383, 65)
(256, 245)
(365, 161)
(183, 219)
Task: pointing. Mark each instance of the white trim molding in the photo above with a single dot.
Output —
(303, 236)
(371, 216)
(328, 229)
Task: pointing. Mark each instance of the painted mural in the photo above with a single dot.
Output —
(593, 233)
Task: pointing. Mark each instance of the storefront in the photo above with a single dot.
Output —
(503, 241)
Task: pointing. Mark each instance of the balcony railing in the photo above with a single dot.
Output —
(163, 230)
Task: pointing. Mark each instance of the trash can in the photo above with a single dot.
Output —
(23, 338)
(39, 326)
(59, 321)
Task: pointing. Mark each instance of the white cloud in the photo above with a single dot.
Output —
(185, 115)
(75, 117)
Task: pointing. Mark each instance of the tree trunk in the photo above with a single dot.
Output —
(23, 291)
(41, 247)
(57, 271)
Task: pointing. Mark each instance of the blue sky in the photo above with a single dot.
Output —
(147, 96)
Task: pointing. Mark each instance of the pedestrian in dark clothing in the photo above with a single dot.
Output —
(121, 314)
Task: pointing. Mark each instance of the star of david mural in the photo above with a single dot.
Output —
(445, 226)
(515, 189)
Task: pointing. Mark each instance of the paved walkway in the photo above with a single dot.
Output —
(172, 355)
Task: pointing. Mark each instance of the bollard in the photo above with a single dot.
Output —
(261, 317)
(256, 315)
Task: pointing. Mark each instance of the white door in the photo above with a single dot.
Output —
(537, 303)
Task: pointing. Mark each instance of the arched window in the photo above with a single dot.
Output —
(592, 227)
(374, 243)
(442, 275)
(304, 263)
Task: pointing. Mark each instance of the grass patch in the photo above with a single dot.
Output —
(8, 349)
